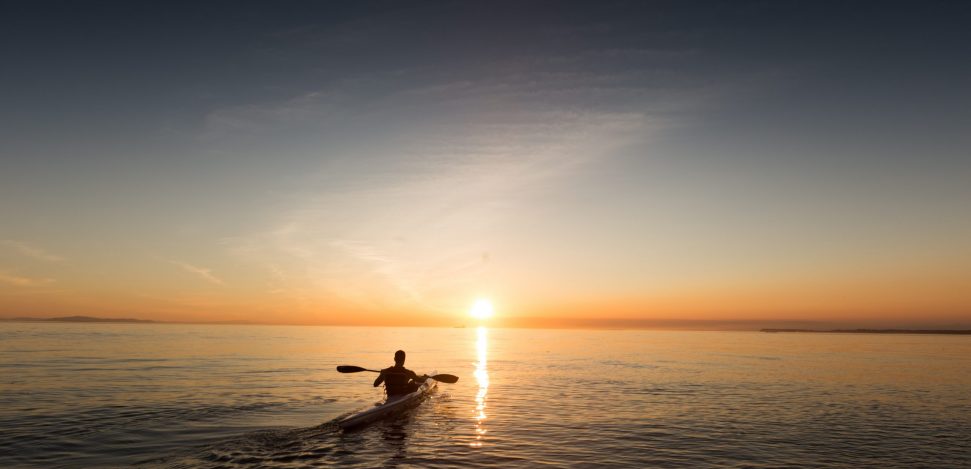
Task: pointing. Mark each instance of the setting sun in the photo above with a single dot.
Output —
(482, 309)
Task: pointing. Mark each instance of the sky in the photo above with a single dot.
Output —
(389, 163)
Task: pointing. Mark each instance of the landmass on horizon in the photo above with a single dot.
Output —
(77, 319)
(92, 319)
(877, 331)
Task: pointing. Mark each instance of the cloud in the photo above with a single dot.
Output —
(381, 264)
(409, 174)
(640, 78)
(20, 281)
(202, 272)
(411, 230)
(30, 250)
(319, 107)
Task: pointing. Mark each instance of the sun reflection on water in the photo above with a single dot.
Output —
(482, 378)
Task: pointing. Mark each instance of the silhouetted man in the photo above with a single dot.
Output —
(398, 379)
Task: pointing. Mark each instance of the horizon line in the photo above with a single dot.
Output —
(525, 322)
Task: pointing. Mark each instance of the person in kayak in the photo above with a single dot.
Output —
(397, 379)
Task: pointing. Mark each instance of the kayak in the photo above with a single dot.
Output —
(391, 406)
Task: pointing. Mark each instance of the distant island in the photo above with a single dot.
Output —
(78, 319)
(878, 331)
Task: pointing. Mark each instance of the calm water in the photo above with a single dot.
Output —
(83, 395)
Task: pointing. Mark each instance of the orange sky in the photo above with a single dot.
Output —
(930, 293)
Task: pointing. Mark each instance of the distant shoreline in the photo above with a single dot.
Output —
(94, 320)
(876, 331)
(79, 319)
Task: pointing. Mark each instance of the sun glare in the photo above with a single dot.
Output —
(482, 309)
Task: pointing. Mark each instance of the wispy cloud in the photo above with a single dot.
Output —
(30, 250)
(380, 264)
(424, 168)
(412, 231)
(21, 281)
(201, 272)
(314, 106)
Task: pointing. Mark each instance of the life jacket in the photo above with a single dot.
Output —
(397, 380)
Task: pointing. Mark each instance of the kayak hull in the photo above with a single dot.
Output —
(390, 407)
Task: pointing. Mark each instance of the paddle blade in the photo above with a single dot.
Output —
(350, 369)
(445, 378)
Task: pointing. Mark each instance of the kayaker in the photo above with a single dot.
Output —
(397, 379)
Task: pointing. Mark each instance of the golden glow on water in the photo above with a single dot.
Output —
(482, 378)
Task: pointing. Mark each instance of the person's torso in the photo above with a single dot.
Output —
(396, 379)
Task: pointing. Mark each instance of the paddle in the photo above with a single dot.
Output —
(356, 369)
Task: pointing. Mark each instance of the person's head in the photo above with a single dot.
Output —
(399, 358)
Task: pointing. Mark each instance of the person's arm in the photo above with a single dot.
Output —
(416, 378)
(379, 379)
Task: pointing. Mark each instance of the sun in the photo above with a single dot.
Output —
(482, 309)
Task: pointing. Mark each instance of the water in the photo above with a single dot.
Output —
(101, 395)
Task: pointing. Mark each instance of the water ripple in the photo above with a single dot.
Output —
(203, 396)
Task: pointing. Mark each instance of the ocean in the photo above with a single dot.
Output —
(181, 396)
